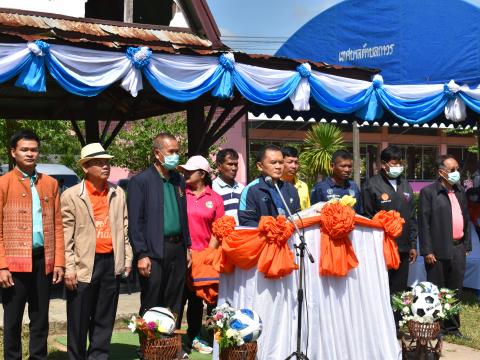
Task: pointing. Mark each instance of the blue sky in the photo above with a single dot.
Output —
(263, 25)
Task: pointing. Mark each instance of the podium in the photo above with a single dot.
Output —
(344, 317)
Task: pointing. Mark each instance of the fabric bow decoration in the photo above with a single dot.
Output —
(222, 228)
(337, 256)
(276, 259)
(392, 224)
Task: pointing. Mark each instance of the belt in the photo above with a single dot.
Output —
(37, 252)
(457, 242)
(173, 239)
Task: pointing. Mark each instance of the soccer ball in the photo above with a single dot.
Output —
(163, 317)
(426, 287)
(426, 305)
(247, 323)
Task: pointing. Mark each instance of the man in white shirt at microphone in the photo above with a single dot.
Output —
(261, 196)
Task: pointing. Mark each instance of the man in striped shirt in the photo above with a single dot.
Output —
(225, 184)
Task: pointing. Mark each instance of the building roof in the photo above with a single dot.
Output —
(114, 103)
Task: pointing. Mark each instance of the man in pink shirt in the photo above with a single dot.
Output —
(204, 206)
(444, 232)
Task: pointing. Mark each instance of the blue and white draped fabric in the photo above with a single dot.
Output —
(182, 78)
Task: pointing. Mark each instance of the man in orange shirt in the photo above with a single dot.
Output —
(97, 252)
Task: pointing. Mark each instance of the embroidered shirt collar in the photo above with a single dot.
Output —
(332, 183)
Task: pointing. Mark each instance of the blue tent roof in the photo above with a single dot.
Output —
(411, 41)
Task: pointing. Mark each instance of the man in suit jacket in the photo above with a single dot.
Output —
(31, 247)
(444, 232)
(158, 227)
(97, 253)
(389, 190)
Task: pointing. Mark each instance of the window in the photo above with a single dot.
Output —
(420, 161)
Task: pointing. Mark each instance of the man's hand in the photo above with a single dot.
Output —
(127, 271)
(189, 259)
(6, 279)
(413, 255)
(58, 273)
(71, 281)
(144, 266)
(430, 259)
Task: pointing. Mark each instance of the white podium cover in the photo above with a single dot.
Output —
(348, 318)
(472, 268)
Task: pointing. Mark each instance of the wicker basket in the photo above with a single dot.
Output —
(164, 348)
(423, 332)
(247, 351)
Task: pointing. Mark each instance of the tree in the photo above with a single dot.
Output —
(132, 148)
(58, 141)
(321, 141)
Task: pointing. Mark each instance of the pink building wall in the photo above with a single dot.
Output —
(236, 138)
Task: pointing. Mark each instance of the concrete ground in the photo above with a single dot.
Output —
(128, 305)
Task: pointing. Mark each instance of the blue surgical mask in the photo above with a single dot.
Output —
(453, 177)
(171, 161)
(394, 171)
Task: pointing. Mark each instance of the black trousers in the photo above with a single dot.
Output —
(449, 274)
(91, 310)
(194, 314)
(398, 280)
(164, 286)
(32, 288)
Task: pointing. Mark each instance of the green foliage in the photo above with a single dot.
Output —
(321, 141)
(132, 148)
(58, 141)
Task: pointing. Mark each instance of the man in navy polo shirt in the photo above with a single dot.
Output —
(339, 183)
(260, 198)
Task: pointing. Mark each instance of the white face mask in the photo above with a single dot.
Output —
(395, 171)
(453, 177)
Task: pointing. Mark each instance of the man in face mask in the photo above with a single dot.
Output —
(158, 227)
(444, 232)
(389, 190)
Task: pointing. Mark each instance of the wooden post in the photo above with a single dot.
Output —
(92, 133)
(478, 137)
(196, 128)
(128, 11)
(356, 152)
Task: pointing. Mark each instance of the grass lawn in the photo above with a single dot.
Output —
(470, 321)
(124, 343)
(123, 347)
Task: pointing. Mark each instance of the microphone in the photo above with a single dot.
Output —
(269, 181)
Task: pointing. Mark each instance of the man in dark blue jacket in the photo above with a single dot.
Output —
(158, 228)
(260, 198)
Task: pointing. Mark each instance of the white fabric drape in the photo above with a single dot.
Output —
(348, 318)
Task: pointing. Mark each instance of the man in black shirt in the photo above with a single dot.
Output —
(390, 191)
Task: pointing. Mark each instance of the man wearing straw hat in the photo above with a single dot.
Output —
(97, 252)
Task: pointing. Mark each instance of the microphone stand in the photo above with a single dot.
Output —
(301, 249)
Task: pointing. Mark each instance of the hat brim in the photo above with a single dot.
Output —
(88, 158)
(192, 168)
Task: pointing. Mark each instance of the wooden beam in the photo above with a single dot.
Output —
(215, 137)
(114, 133)
(78, 132)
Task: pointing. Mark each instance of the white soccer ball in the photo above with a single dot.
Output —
(426, 306)
(162, 316)
(247, 323)
(425, 287)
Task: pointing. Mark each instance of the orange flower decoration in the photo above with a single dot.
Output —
(276, 231)
(337, 256)
(392, 224)
(223, 227)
